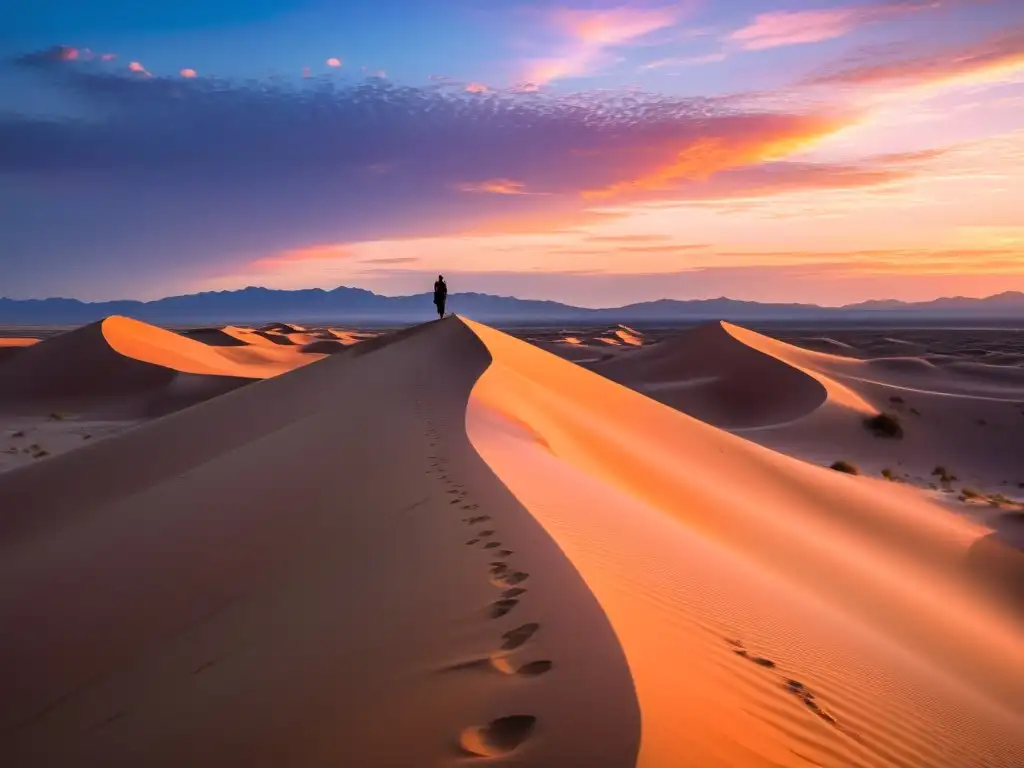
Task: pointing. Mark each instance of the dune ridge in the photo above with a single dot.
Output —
(316, 569)
(124, 367)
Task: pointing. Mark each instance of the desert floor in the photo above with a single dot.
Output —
(451, 545)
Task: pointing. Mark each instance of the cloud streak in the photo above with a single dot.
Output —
(782, 28)
(995, 57)
(590, 35)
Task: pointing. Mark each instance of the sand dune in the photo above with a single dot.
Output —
(448, 546)
(9, 347)
(813, 404)
(772, 612)
(284, 576)
(100, 366)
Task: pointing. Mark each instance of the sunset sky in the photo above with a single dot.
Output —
(592, 153)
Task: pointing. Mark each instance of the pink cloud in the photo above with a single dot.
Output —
(495, 187)
(590, 34)
(476, 88)
(135, 66)
(333, 62)
(997, 55)
(108, 56)
(780, 28)
(188, 73)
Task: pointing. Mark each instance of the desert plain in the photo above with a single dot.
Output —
(450, 544)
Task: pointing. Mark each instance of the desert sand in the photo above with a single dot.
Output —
(448, 546)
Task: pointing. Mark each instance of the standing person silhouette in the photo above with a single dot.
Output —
(440, 295)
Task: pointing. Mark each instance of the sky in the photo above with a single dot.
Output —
(595, 153)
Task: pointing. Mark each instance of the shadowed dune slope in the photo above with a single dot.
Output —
(727, 376)
(772, 613)
(316, 569)
(12, 346)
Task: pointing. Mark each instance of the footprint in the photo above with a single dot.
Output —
(514, 592)
(471, 542)
(505, 552)
(534, 668)
(498, 567)
(485, 534)
(499, 737)
(477, 519)
(454, 501)
(492, 544)
(472, 506)
(511, 579)
(500, 607)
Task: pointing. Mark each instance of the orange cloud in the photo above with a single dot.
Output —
(333, 62)
(309, 253)
(476, 88)
(592, 32)
(991, 58)
(135, 66)
(640, 238)
(780, 28)
(495, 187)
(188, 73)
(704, 157)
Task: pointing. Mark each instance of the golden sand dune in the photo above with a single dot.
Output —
(731, 377)
(119, 357)
(9, 347)
(469, 550)
(814, 404)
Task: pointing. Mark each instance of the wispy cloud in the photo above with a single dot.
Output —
(592, 34)
(686, 61)
(996, 57)
(780, 28)
(494, 187)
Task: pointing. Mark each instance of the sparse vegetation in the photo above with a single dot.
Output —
(897, 399)
(888, 475)
(19, 433)
(944, 475)
(885, 425)
(982, 422)
(915, 411)
(970, 493)
(57, 417)
(845, 466)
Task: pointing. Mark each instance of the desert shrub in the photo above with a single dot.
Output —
(969, 493)
(896, 399)
(887, 474)
(943, 474)
(845, 466)
(885, 425)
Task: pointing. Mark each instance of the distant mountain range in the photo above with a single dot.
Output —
(355, 305)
